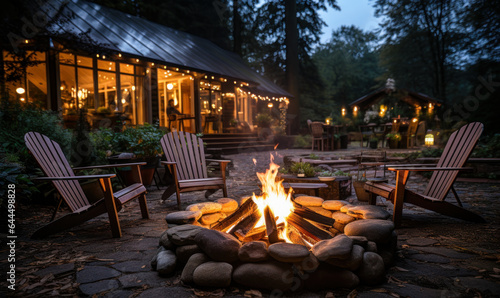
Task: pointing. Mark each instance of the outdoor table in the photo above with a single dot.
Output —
(338, 189)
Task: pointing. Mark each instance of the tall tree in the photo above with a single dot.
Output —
(430, 30)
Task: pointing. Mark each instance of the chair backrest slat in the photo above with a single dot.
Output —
(455, 154)
(54, 164)
(317, 129)
(187, 151)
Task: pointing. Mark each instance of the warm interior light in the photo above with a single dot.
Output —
(22, 99)
(133, 88)
(269, 105)
(343, 112)
(20, 90)
(170, 86)
(355, 109)
(123, 101)
(429, 139)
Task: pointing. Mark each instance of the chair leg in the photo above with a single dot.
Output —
(178, 200)
(224, 191)
(143, 203)
(109, 201)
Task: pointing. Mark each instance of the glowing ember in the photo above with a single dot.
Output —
(274, 196)
(254, 161)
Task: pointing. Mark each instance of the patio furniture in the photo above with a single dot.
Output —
(186, 161)
(318, 135)
(410, 134)
(420, 134)
(55, 165)
(457, 150)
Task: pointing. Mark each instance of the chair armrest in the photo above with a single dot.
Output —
(121, 165)
(218, 160)
(413, 165)
(168, 163)
(423, 169)
(77, 177)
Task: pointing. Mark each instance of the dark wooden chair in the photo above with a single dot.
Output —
(55, 165)
(457, 151)
(410, 134)
(420, 134)
(186, 161)
(318, 134)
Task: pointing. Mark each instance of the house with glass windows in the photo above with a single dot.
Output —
(141, 72)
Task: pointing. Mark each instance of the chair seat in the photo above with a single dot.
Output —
(130, 192)
(200, 182)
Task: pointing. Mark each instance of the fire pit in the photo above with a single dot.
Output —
(277, 242)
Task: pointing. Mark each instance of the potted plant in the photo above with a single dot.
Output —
(326, 176)
(373, 142)
(303, 169)
(393, 140)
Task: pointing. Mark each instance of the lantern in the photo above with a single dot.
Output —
(429, 139)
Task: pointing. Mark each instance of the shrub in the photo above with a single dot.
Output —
(264, 120)
(302, 141)
(303, 167)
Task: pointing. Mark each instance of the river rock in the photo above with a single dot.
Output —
(183, 217)
(309, 264)
(165, 241)
(368, 212)
(254, 251)
(334, 205)
(372, 270)
(209, 219)
(342, 218)
(165, 262)
(371, 246)
(309, 201)
(353, 263)
(219, 246)
(329, 277)
(345, 208)
(193, 262)
(154, 260)
(184, 234)
(339, 247)
(288, 252)
(269, 275)
(184, 252)
(376, 230)
(228, 205)
(205, 207)
(322, 211)
(213, 274)
(359, 240)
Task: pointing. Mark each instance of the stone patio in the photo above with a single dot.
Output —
(437, 256)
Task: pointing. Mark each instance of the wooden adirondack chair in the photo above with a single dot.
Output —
(186, 161)
(457, 151)
(55, 165)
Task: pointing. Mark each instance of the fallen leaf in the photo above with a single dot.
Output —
(400, 269)
(352, 294)
(495, 275)
(252, 293)
(394, 295)
(496, 270)
(379, 290)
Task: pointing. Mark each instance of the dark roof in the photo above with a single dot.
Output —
(410, 97)
(125, 33)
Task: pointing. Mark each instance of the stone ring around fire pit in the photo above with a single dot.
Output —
(356, 248)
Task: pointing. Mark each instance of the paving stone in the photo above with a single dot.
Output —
(121, 256)
(254, 251)
(205, 207)
(288, 252)
(94, 288)
(140, 244)
(339, 247)
(213, 274)
(309, 201)
(431, 258)
(228, 205)
(421, 241)
(415, 291)
(183, 235)
(95, 273)
(483, 285)
(167, 292)
(334, 205)
(183, 217)
(368, 212)
(132, 266)
(138, 280)
(376, 230)
(119, 294)
(445, 252)
(56, 270)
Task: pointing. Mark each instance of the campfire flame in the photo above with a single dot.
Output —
(274, 196)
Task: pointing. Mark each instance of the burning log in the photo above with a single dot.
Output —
(295, 236)
(245, 209)
(246, 224)
(311, 215)
(271, 228)
(307, 228)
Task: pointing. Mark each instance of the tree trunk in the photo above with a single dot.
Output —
(237, 29)
(292, 61)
